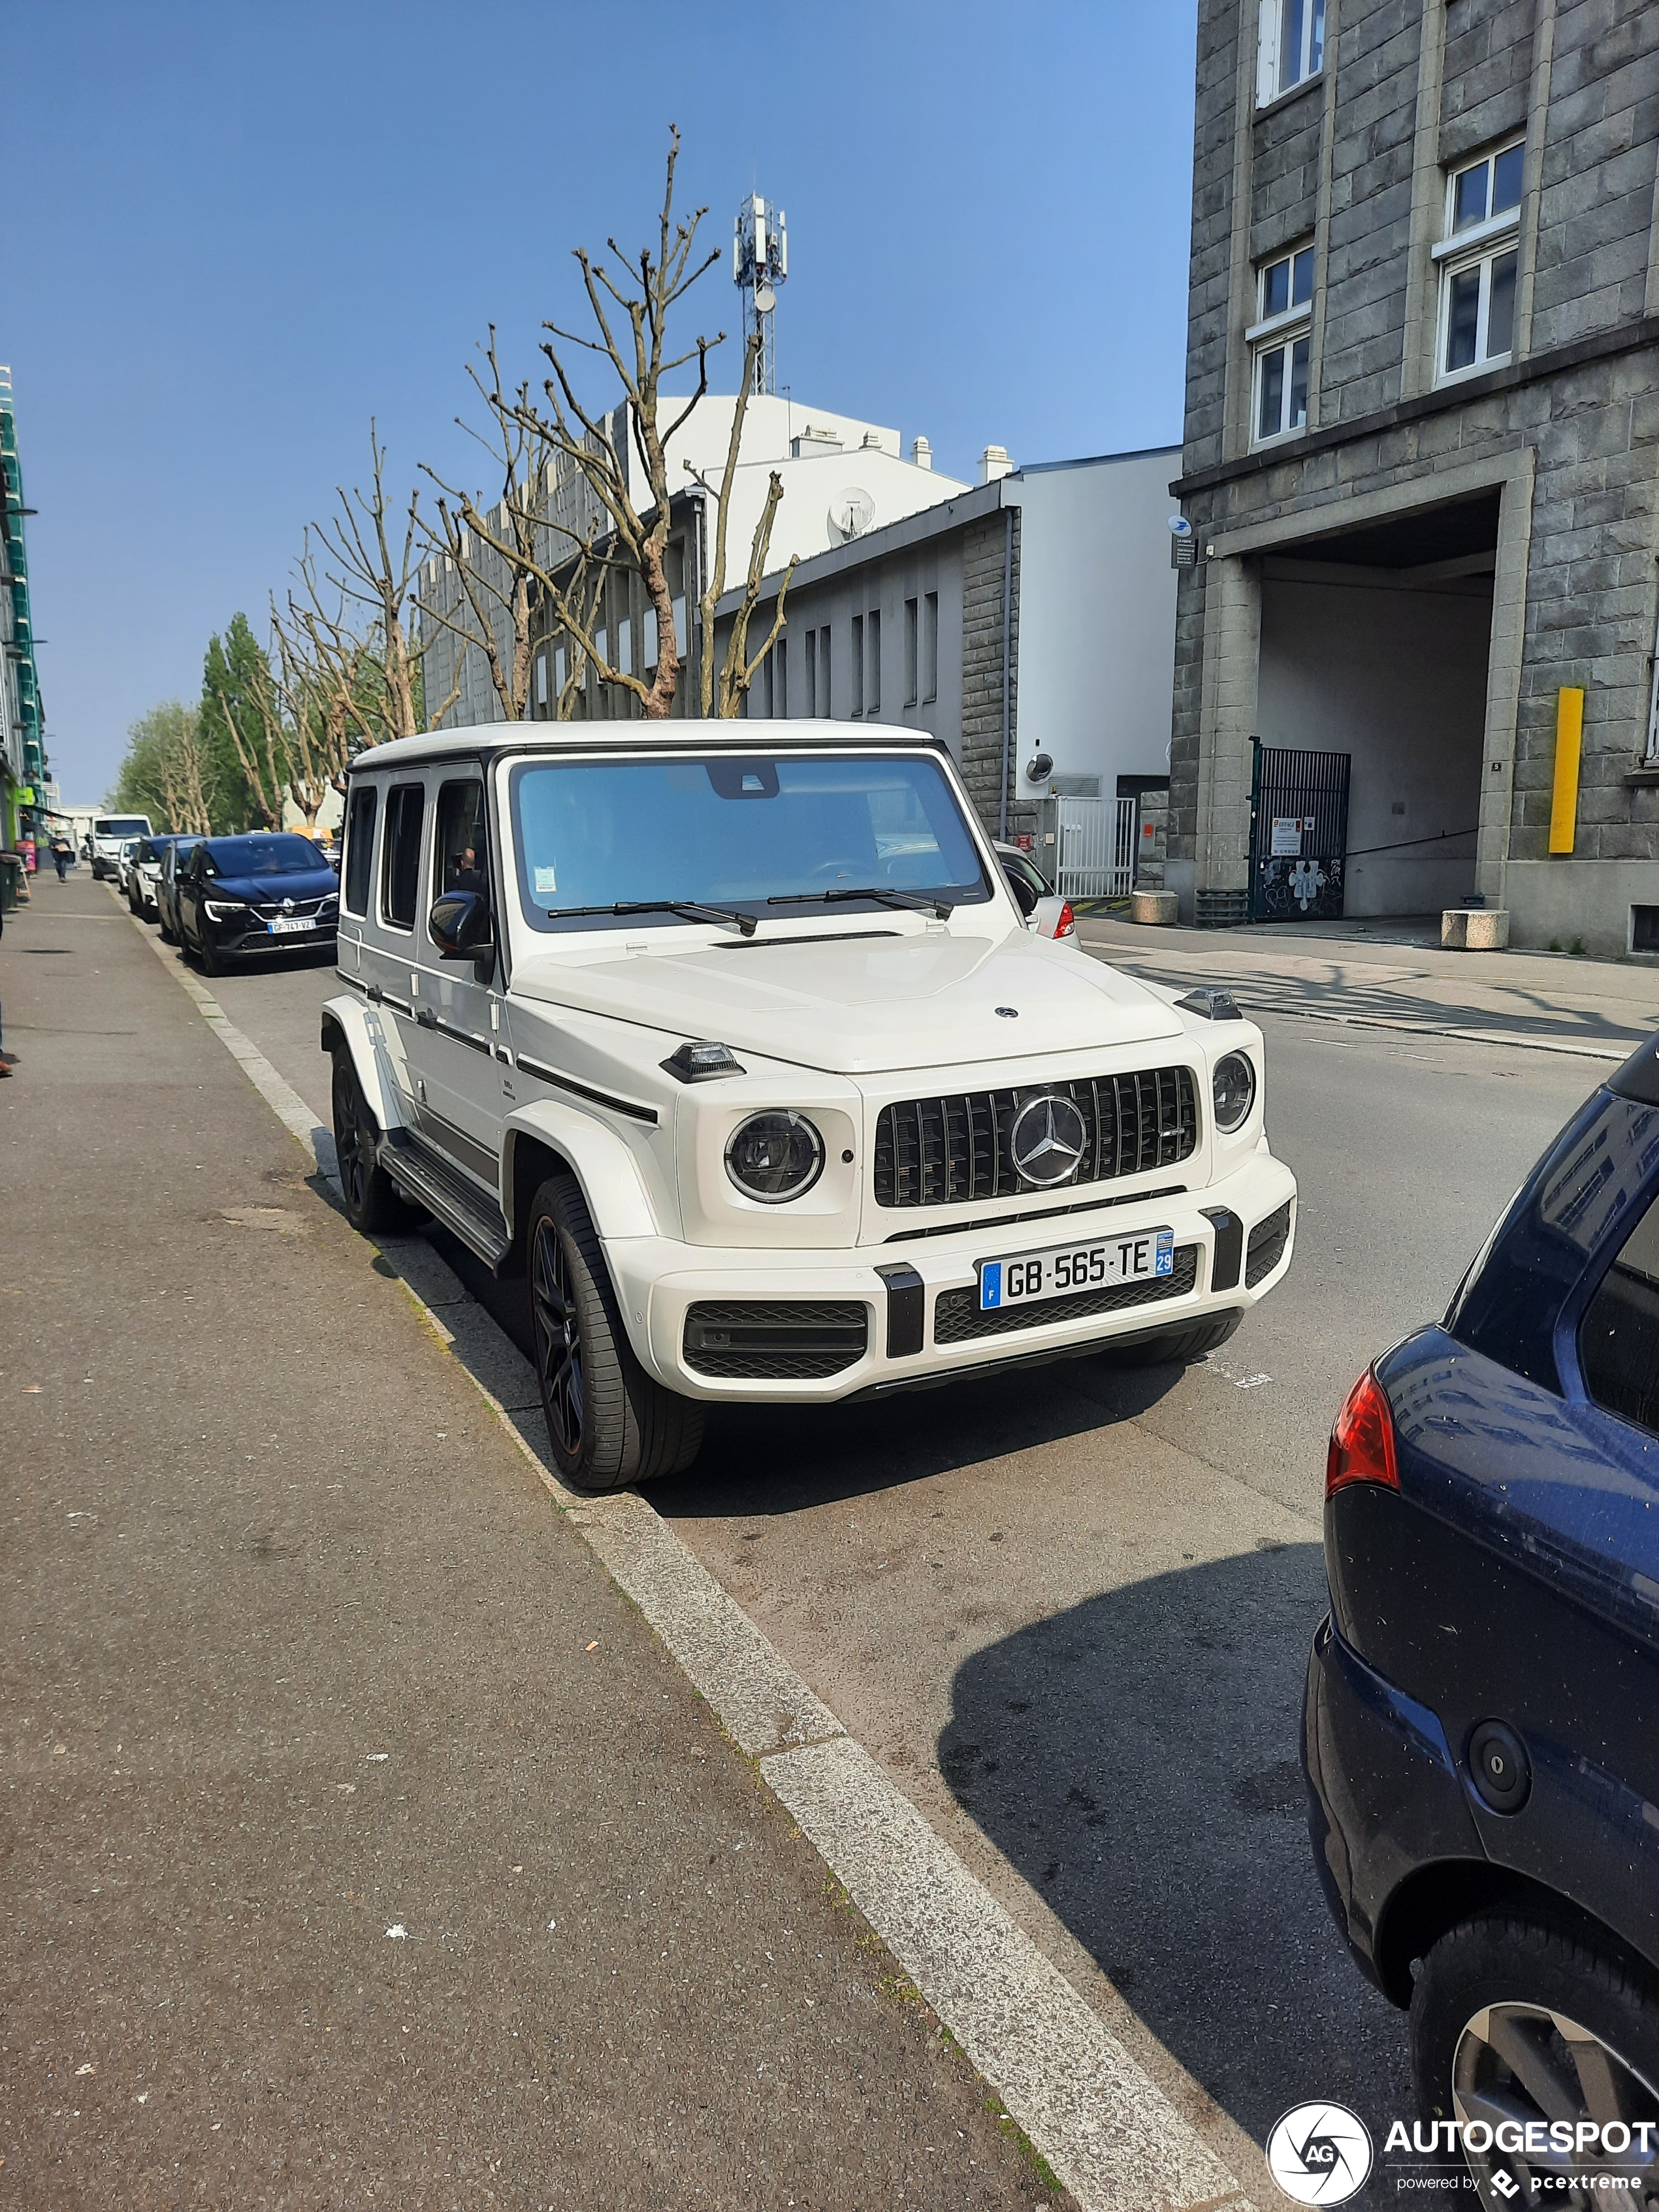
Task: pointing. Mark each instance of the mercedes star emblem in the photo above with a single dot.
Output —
(1048, 1139)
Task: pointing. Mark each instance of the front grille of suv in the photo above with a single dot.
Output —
(957, 1317)
(947, 1151)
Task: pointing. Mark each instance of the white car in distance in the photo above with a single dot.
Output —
(109, 834)
(730, 1037)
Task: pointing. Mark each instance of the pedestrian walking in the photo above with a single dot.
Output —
(61, 855)
(8, 1059)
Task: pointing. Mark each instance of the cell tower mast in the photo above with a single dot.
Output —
(760, 262)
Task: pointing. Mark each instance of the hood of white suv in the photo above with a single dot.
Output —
(865, 1006)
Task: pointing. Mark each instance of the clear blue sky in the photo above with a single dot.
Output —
(233, 233)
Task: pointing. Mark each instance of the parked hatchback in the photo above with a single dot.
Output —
(176, 856)
(1481, 1729)
(241, 898)
(1047, 914)
(143, 875)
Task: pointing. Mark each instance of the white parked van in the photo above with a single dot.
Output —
(730, 1037)
(109, 832)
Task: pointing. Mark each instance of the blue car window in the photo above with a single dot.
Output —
(1618, 1339)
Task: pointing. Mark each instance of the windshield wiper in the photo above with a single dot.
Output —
(908, 900)
(689, 908)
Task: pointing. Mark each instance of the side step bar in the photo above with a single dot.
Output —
(422, 1172)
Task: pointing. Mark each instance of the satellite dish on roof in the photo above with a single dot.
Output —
(851, 513)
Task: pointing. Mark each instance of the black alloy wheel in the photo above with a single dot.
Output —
(558, 1328)
(610, 1424)
(371, 1199)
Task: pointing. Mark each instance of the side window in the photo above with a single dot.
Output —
(1618, 1339)
(360, 849)
(400, 856)
(460, 859)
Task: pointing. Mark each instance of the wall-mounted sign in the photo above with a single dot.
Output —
(1288, 837)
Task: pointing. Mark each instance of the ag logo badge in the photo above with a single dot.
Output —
(1320, 2154)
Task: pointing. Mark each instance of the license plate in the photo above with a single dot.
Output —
(1065, 1269)
(286, 924)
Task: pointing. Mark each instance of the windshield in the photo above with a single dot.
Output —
(272, 855)
(122, 826)
(771, 836)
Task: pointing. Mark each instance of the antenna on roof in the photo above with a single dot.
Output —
(760, 262)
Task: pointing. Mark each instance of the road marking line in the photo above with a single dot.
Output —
(1110, 2133)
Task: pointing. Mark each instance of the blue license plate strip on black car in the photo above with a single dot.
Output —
(1059, 1270)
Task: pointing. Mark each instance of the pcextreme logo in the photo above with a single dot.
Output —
(1320, 2154)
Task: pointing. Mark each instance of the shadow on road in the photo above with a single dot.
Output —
(1135, 1758)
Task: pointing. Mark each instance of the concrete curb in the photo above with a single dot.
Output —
(1109, 2132)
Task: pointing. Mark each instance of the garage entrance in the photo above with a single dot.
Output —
(1374, 645)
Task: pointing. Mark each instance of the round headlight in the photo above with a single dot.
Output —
(773, 1157)
(1235, 1092)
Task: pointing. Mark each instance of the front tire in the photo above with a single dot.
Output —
(371, 1199)
(610, 1424)
(1519, 2018)
(208, 957)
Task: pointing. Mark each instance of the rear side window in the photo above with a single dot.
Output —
(460, 861)
(1618, 1341)
(360, 849)
(400, 866)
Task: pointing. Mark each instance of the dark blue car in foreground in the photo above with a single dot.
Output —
(1481, 1727)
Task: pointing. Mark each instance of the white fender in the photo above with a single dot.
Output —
(603, 1166)
(347, 1017)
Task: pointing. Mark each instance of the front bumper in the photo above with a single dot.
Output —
(233, 940)
(923, 1292)
(1384, 1799)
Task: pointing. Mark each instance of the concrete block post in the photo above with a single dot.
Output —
(1232, 648)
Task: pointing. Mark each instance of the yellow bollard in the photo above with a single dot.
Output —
(1569, 744)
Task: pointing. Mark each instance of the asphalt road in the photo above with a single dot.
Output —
(1070, 1610)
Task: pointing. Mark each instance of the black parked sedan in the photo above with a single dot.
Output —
(239, 898)
(1482, 1730)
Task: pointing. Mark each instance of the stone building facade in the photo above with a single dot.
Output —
(1422, 437)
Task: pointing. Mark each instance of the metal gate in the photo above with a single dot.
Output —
(1298, 834)
(1096, 852)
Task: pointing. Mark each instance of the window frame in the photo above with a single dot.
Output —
(1479, 245)
(857, 707)
(929, 647)
(1271, 81)
(872, 669)
(383, 914)
(912, 649)
(1282, 332)
(467, 780)
(371, 792)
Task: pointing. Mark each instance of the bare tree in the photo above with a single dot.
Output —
(633, 337)
(190, 783)
(364, 561)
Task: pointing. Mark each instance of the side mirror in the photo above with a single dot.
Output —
(458, 924)
(1025, 895)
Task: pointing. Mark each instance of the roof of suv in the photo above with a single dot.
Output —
(589, 737)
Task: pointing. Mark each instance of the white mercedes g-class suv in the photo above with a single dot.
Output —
(729, 1038)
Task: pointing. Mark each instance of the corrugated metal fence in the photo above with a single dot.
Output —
(1096, 847)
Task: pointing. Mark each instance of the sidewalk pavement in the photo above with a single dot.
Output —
(1599, 1009)
(364, 1845)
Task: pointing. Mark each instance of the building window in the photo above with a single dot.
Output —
(911, 642)
(1281, 346)
(823, 671)
(811, 642)
(930, 647)
(872, 682)
(625, 646)
(559, 671)
(1478, 259)
(541, 679)
(652, 651)
(781, 681)
(1290, 46)
(856, 707)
